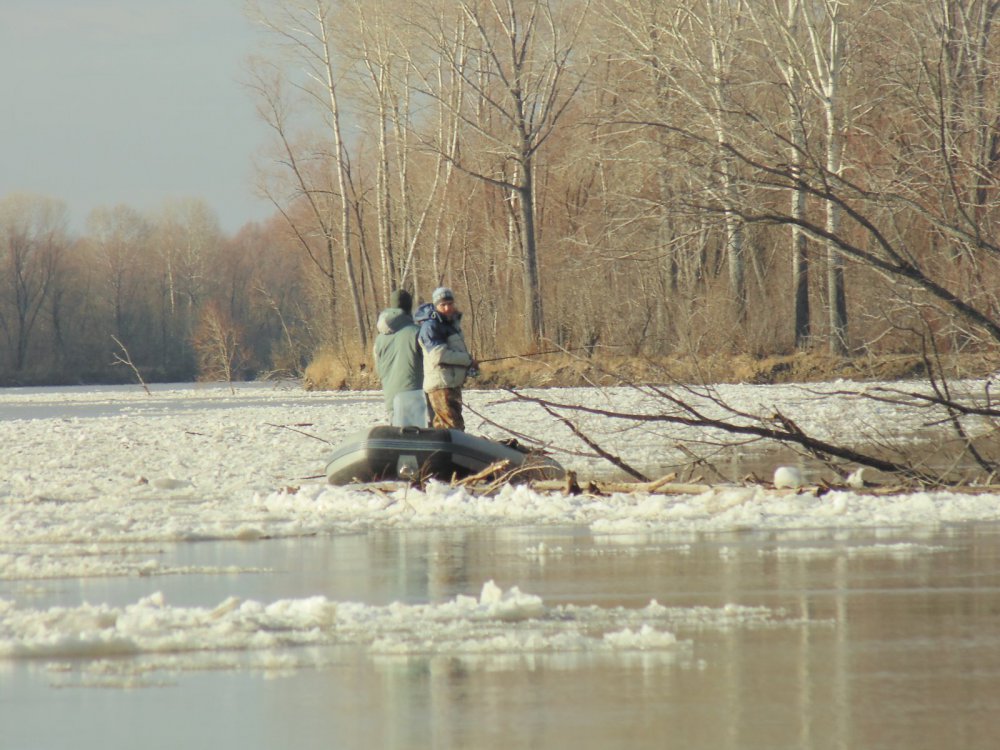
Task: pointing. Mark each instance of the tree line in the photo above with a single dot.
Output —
(753, 176)
(169, 294)
(672, 176)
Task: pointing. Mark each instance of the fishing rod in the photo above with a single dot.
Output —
(535, 354)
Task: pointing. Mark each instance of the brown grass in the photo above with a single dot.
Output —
(801, 367)
(344, 371)
(347, 369)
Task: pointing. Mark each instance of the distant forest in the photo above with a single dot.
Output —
(664, 177)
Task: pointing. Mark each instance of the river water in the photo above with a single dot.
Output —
(870, 639)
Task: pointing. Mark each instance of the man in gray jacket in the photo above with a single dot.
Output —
(447, 361)
(397, 353)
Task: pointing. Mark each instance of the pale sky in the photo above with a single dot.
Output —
(129, 101)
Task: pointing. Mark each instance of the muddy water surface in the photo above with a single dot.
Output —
(871, 640)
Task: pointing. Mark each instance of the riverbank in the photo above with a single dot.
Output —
(567, 370)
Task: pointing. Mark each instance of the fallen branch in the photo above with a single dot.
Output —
(662, 481)
(781, 432)
(127, 360)
(610, 457)
(301, 432)
(664, 486)
(494, 468)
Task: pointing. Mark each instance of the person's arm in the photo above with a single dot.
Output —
(455, 358)
(434, 341)
(429, 336)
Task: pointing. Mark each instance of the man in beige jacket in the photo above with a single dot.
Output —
(447, 361)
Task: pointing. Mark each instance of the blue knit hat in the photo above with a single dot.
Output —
(441, 294)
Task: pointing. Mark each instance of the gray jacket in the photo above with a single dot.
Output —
(397, 354)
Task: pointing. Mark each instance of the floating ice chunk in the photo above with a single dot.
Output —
(787, 477)
(229, 605)
(511, 604)
(856, 479)
(647, 638)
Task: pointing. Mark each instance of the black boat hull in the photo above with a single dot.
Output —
(386, 453)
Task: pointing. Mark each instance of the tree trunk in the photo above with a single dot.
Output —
(534, 325)
(343, 178)
(837, 297)
(734, 243)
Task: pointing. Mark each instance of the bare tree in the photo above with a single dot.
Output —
(32, 242)
(960, 123)
(780, 24)
(901, 187)
(813, 45)
(126, 359)
(116, 240)
(305, 28)
(219, 345)
(411, 185)
(827, 36)
(186, 239)
(695, 53)
(517, 64)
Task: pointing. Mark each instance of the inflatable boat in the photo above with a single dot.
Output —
(390, 452)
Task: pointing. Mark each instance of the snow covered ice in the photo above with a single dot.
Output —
(94, 480)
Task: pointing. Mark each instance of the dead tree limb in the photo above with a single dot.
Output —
(942, 396)
(690, 416)
(127, 360)
(616, 460)
(942, 391)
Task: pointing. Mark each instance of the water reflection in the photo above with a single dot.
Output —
(860, 640)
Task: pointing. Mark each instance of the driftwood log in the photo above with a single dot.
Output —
(665, 485)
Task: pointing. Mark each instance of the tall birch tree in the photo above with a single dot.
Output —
(305, 28)
(411, 187)
(827, 38)
(518, 65)
(696, 51)
(781, 27)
